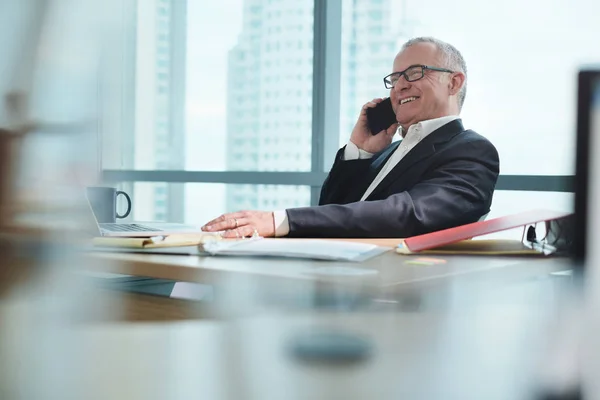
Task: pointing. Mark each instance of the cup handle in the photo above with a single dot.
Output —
(128, 204)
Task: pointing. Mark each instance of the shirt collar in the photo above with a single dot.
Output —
(424, 128)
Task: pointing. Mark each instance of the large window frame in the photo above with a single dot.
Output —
(325, 129)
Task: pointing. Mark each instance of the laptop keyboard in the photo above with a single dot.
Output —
(127, 228)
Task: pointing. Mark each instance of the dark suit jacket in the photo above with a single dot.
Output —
(446, 180)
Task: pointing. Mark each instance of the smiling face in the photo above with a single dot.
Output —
(433, 96)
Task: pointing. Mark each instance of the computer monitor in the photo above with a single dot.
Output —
(587, 171)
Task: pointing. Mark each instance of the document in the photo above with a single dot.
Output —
(457, 240)
(178, 240)
(498, 247)
(295, 248)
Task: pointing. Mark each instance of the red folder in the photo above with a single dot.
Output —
(463, 232)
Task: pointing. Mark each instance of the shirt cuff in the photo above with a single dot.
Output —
(352, 152)
(282, 225)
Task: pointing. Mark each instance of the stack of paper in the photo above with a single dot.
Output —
(297, 248)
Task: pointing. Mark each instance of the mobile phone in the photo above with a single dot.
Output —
(381, 117)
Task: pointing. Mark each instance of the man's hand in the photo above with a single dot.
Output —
(243, 224)
(362, 136)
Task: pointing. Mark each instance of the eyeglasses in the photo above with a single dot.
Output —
(411, 74)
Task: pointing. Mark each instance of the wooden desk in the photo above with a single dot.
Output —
(384, 275)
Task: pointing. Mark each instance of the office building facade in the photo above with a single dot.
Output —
(269, 110)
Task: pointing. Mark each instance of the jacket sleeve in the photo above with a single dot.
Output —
(455, 192)
(344, 178)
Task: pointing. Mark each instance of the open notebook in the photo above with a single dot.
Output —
(179, 240)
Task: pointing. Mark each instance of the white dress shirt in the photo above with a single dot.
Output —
(415, 134)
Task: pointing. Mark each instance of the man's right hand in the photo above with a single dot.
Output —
(362, 136)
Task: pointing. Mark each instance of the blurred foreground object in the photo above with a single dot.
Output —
(8, 144)
(49, 82)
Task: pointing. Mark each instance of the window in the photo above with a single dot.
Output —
(257, 88)
(198, 203)
(220, 125)
(515, 75)
(511, 202)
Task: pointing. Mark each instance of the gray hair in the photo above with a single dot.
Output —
(451, 58)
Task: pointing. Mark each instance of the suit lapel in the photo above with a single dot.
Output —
(377, 163)
(381, 158)
(423, 150)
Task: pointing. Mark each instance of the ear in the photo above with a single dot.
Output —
(456, 82)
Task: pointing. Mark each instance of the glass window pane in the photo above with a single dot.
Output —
(221, 85)
(521, 81)
(507, 202)
(198, 203)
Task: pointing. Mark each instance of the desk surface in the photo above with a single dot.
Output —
(389, 271)
(416, 356)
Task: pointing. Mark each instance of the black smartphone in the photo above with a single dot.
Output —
(381, 117)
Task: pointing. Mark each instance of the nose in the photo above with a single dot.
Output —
(401, 85)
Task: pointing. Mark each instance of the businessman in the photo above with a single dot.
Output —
(440, 175)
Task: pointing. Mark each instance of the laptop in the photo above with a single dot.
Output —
(135, 229)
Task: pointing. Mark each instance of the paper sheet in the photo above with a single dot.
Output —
(478, 247)
(297, 248)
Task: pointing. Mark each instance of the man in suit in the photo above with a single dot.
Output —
(439, 176)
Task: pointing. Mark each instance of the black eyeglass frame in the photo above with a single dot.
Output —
(387, 81)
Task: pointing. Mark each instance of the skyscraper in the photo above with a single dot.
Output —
(269, 110)
(159, 98)
(369, 44)
(269, 100)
